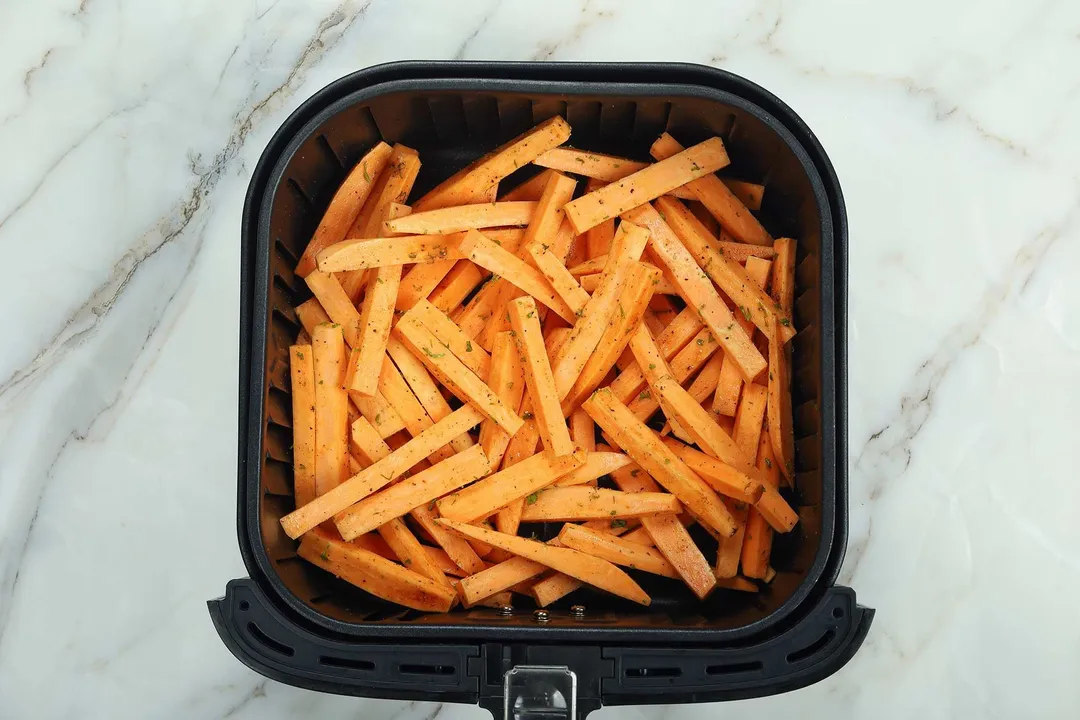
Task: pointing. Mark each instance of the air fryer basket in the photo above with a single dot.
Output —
(744, 644)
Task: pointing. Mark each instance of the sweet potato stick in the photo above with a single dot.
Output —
(493, 492)
(749, 418)
(392, 187)
(654, 457)
(376, 318)
(583, 430)
(729, 384)
(302, 371)
(366, 443)
(616, 550)
(750, 194)
(597, 464)
(375, 544)
(408, 407)
(420, 489)
(558, 585)
(531, 189)
(365, 253)
(498, 578)
(730, 549)
(701, 389)
(424, 387)
(681, 330)
(310, 313)
(757, 543)
(461, 381)
(457, 548)
(753, 302)
(586, 503)
(646, 184)
(376, 575)
(538, 379)
(725, 479)
(630, 308)
(685, 363)
(382, 473)
(486, 173)
(669, 535)
(717, 198)
(594, 571)
(411, 553)
(560, 279)
(663, 286)
(607, 168)
(464, 217)
(345, 205)
(456, 286)
(698, 292)
(596, 315)
(378, 411)
(783, 291)
(778, 412)
(331, 408)
(449, 334)
(336, 304)
(507, 379)
(485, 253)
(548, 218)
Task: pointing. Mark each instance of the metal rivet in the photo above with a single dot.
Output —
(505, 610)
(577, 611)
(541, 616)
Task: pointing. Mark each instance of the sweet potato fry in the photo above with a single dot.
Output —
(310, 313)
(560, 279)
(464, 383)
(784, 279)
(366, 444)
(749, 418)
(497, 578)
(336, 304)
(549, 215)
(345, 205)
(749, 194)
(669, 535)
(597, 314)
(423, 387)
(583, 430)
(457, 549)
(717, 198)
(408, 407)
(486, 173)
(616, 550)
(730, 549)
(507, 379)
(757, 543)
(465, 217)
(493, 492)
(372, 542)
(594, 571)
(778, 411)
(723, 478)
(515, 271)
(419, 489)
(729, 384)
(331, 408)
(685, 363)
(456, 286)
(662, 286)
(639, 442)
(538, 378)
(698, 292)
(597, 464)
(365, 253)
(392, 187)
(450, 335)
(376, 318)
(376, 575)
(382, 473)
(411, 553)
(646, 184)
(302, 372)
(607, 168)
(531, 189)
(586, 503)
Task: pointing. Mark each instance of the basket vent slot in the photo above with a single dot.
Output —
(270, 643)
(813, 648)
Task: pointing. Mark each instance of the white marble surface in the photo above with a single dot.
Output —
(128, 131)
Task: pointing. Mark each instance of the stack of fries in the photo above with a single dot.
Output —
(478, 361)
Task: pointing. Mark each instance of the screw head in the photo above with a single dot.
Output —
(541, 616)
(577, 611)
(505, 610)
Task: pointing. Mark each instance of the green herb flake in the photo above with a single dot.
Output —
(431, 505)
(768, 463)
(700, 342)
(644, 394)
(527, 415)
(531, 499)
(300, 355)
(620, 523)
(468, 346)
(785, 322)
(325, 554)
(613, 513)
(652, 366)
(745, 313)
(427, 351)
(367, 177)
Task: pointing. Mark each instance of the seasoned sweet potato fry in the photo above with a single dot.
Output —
(757, 543)
(392, 187)
(749, 417)
(531, 189)
(376, 575)
(336, 304)
(586, 503)
(730, 549)
(486, 173)
(784, 279)
(365, 253)
(419, 489)
(376, 318)
(493, 492)
(331, 408)
(507, 379)
(538, 378)
(464, 217)
(725, 479)
(594, 571)
(381, 474)
(717, 197)
(616, 550)
(646, 184)
(778, 411)
(548, 217)
(411, 553)
(302, 372)
(729, 384)
(345, 205)
(400, 396)
(560, 279)
(597, 464)
(450, 335)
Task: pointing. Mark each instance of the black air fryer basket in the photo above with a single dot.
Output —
(297, 624)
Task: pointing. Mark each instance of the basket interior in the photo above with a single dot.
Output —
(451, 128)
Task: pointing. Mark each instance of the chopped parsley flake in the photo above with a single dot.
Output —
(531, 499)
(620, 523)
(427, 351)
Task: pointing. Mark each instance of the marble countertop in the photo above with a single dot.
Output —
(129, 131)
